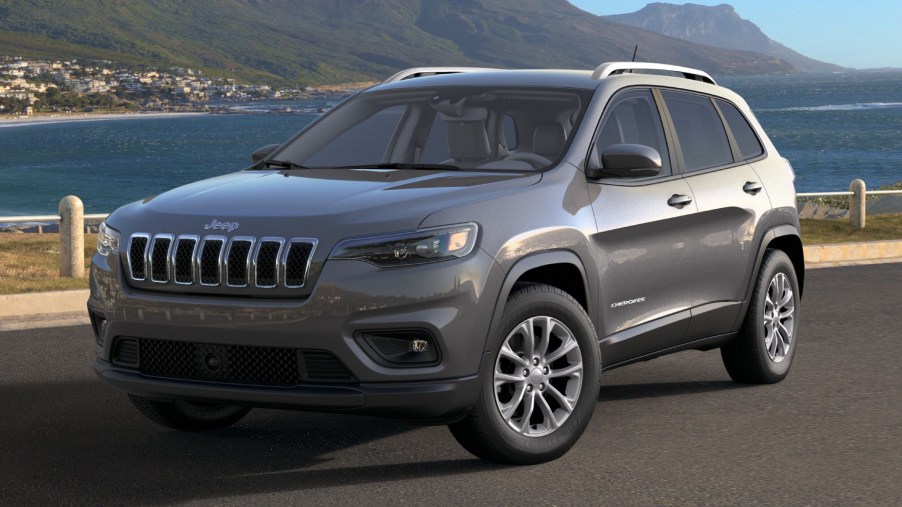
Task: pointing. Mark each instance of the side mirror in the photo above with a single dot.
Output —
(264, 152)
(624, 161)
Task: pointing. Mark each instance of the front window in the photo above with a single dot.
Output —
(445, 127)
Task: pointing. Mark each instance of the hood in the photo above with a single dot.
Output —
(327, 204)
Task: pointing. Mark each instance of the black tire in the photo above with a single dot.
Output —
(747, 357)
(485, 431)
(188, 416)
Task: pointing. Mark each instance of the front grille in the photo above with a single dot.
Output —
(216, 260)
(271, 366)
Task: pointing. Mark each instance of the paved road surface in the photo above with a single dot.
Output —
(670, 431)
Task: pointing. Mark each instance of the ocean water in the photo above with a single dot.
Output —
(833, 128)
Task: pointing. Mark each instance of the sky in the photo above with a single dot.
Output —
(853, 33)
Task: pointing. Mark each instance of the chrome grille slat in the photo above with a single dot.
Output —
(158, 259)
(137, 256)
(155, 260)
(238, 262)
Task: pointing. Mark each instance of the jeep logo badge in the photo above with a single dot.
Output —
(221, 226)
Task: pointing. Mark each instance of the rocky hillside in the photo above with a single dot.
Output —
(329, 41)
(719, 26)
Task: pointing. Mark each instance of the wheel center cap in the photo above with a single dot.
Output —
(536, 376)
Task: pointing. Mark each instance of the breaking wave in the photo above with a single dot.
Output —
(843, 107)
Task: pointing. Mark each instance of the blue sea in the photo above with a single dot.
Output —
(833, 128)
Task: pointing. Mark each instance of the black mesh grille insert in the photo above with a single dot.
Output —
(237, 364)
(209, 262)
(136, 252)
(184, 260)
(223, 363)
(237, 262)
(296, 263)
(322, 365)
(125, 352)
(159, 260)
(267, 258)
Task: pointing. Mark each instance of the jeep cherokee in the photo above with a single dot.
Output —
(470, 247)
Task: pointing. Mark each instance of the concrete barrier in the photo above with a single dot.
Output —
(867, 252)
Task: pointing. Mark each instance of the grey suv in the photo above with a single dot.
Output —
(470, 247)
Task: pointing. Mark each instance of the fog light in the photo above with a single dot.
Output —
(399, 348)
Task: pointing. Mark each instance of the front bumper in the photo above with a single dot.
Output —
(453, 301)
(435, 401)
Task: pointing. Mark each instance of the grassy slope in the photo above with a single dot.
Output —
(323, 41)
(30, 262)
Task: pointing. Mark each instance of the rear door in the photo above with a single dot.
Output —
(642, 248)
(730, 200)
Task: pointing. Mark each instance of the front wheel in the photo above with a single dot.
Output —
(188, 416)
(763, 351)
(541, 392)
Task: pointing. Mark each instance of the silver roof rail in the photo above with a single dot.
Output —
(612, 68)
(432, 71)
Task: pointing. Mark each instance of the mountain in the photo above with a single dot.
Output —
(331, 41)
(719, 26)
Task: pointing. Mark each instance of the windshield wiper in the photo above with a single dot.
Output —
(401, 165)
(283, 164)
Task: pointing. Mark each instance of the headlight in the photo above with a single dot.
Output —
(107, 240)
(426, 245)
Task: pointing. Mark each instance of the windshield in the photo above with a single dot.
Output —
(442, 128)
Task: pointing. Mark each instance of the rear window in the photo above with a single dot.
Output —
(743, 133)
(699, 130)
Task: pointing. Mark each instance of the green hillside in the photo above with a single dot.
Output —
(329, 41)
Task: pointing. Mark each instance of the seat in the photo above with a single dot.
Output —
(548, 141)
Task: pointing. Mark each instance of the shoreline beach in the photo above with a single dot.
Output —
(11, 121)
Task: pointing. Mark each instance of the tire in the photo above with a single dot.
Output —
(560, 383)
(762, 353)
(188, 416)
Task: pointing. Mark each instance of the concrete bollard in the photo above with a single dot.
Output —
(72, 237)
(857, 204)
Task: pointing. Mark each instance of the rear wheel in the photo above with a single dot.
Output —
(541, 392)
(188, 416)
(766, 345)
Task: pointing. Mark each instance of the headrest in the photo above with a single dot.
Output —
(549, 139)
(468, 140)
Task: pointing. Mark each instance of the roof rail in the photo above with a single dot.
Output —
(612, 68)
(432, 71)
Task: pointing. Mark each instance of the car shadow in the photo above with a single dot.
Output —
(80, 442)
(659, 389)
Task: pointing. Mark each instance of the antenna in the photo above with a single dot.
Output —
(636, 50)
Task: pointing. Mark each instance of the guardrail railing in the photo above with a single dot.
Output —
(858, 195)
(72, 222)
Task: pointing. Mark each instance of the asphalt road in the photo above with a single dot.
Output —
(670, 431)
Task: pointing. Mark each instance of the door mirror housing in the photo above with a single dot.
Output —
(624, 161)
(264, 152)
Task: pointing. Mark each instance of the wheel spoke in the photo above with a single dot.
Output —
(506, 378)
(562, 400)
(547, 413)
(508, 352)
(571, 370)
(508, 409)
(530, 403)
(542, 346)
(529, 338)
(567, 345)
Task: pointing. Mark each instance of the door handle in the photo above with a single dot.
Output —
(679, 200)
(752, 187)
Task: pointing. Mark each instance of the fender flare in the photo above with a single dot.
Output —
(523, 265)
(777, 231)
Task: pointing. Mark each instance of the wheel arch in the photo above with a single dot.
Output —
(559, 268)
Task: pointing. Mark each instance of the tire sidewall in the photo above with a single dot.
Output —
(777, 262)
(520, 308)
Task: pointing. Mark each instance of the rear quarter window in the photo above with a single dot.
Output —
(743, 133)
